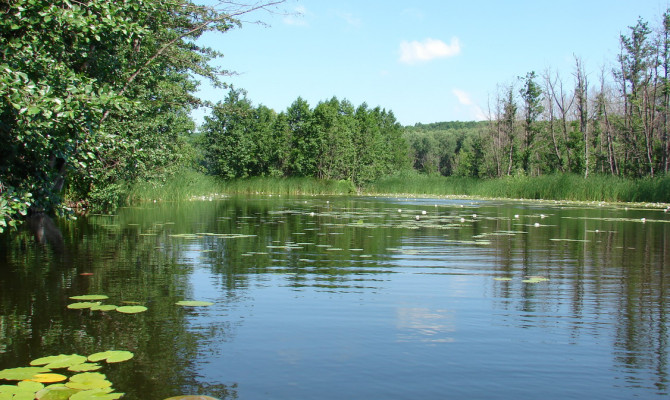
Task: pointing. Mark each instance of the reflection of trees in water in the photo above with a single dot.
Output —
(613, 273)
(36, 282)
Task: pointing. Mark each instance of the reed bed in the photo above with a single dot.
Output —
(192, 184)
(548, 187)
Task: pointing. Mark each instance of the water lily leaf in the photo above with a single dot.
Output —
(21, 373)
(90, 297)
(131, 309)
(30, 386)
(48, 378)
(192, 397)
(85, 367)
(88, 380)
(82, 305)
(24, 396)
(23, 390)
(104, 307)
(535, 279)
(60, 392)
(8, 389)
(60, 361)
(502, 279)
(194, 303)
(96, 394)
(111, 356)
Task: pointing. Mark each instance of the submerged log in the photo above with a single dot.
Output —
(45, 230)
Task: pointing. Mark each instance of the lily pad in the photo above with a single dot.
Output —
(111, 356)
(535, 279)
(82, 305)
(502, 279)
(194, 303)
(96, 394)
(55, 392)
(59, 361)
(30, 386)
(104, 307)
(24, 390)
(85, 367)
(90, 297)
(21, 373)
(131, 309)
(48, 378)
(88, 380)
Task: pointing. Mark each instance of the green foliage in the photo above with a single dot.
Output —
(97, 95)
(547, 187)
(333, 141)
(12, 205)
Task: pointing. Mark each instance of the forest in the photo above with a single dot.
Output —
(97, 98)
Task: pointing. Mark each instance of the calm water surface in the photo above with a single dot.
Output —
(354, 298)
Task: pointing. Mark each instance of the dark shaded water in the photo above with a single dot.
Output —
(334, 298)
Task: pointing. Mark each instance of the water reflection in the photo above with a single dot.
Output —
(348, 293)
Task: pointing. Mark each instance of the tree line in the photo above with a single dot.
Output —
(333, 140)
(614, 122)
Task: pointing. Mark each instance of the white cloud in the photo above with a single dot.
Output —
(462, 97)
(414, 52)
(350, 19)
(297, 17)
(475, 112)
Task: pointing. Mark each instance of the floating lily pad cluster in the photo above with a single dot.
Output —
(40, 382)
(93, 302)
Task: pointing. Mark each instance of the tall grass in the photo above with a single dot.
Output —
(549, 187)
(189, 184)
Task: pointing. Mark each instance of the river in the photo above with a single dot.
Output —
(353, 298)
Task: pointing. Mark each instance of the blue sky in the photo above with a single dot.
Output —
(426, 60)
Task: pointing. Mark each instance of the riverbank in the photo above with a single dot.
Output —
(597, 188)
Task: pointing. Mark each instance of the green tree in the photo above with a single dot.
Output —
(98, 90)
(532, 96)
(230, 150)
(304, 141)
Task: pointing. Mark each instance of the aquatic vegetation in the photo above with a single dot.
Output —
(131, 309)
(80, 386)
(59, 361)
(193, 303)
(90, 297)
(111, 356)
(82, 305)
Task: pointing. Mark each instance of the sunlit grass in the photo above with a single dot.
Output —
(190, 184)
(548, 187)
